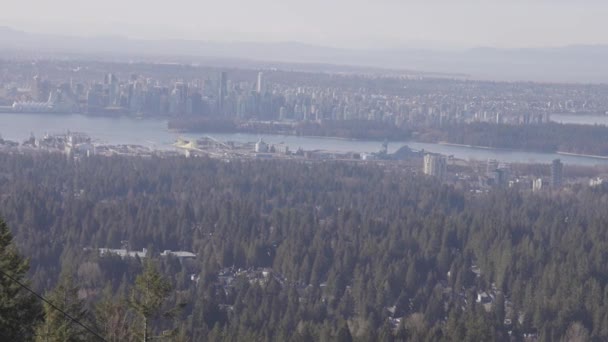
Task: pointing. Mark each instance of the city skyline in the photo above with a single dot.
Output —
(352, 24)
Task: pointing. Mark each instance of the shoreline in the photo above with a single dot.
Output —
(594, 156)
(445, 143)
(571, 154)
(328, 137)
(111, 130)
(92, 115)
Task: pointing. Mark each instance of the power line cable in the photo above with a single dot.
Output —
(53, 306)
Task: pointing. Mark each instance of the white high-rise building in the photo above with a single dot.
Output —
(260, 84)
(435, 165)
(537, 184)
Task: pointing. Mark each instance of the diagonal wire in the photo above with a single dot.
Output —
(53, 306)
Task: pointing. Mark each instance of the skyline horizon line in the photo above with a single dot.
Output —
(421, 44)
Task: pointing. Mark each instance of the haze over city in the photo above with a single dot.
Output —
(337, 23)
(302, 171)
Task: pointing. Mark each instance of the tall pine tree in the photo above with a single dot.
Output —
(19, 309)
(58, 327)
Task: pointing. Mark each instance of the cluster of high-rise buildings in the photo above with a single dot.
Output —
(161, 90)
(138, 95)
(498, 174)
(218, 97)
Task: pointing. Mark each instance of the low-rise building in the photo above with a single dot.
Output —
(123, 253)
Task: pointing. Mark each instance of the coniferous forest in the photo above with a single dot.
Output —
(292, 251)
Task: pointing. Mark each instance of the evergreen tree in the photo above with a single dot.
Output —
(343, 334)
(148, 300)
(58, 327)
(114, 318)
(19, 309)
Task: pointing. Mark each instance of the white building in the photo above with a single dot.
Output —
(260, 85)
(123, 253)
(435, 165)
(596, 182)
(178, 254)
(32, 107)
(281, 148)
(537, 184)
(261, 146)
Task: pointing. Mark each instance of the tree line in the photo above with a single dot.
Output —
(546, 137)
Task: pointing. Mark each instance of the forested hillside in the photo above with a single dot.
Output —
(295, 251)
(547, 137)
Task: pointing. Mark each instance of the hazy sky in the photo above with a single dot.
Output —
(343, 23)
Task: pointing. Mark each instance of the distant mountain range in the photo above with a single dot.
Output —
(564, 64)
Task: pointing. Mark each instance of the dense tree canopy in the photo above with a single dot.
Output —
(298, 251)
(547, 137)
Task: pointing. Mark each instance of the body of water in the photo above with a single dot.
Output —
(154, 133)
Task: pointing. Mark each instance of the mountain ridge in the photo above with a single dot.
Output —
(571, 63)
